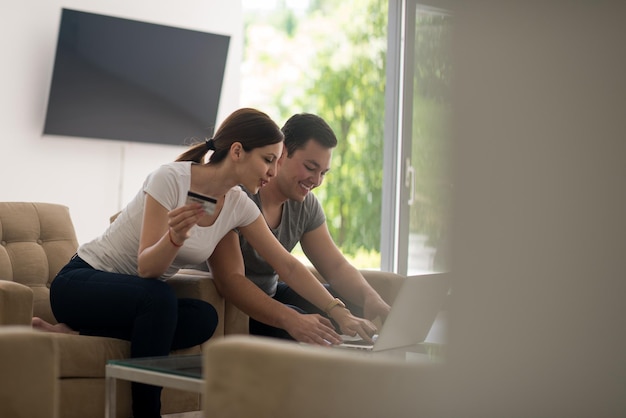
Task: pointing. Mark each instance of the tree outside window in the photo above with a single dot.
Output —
(328, 57)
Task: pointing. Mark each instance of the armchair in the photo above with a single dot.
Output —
(36, 240)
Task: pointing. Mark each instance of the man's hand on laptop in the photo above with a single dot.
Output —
(352, 325)
(311, 329)
(316, 329)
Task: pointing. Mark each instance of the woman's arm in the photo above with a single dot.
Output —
(227, 268)
(300, 279)
(162, 235)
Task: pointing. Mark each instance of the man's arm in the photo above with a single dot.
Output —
(227, 268)
(342, 276)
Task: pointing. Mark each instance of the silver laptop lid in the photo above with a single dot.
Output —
(414, 310)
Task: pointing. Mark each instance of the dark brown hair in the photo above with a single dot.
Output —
(302, 127)
(251, 127)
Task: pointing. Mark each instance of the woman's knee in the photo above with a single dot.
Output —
(197, 322)
(159, 295)
(207, 320)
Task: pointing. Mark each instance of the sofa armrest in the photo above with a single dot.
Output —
(29, 361)
(16, 303)
(262, 377)
(385, 283)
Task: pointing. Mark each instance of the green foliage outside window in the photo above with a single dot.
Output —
(330, 60)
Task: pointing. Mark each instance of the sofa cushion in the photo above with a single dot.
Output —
(36, 241)
(86, 356)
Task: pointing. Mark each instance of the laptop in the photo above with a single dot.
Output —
(412, 314)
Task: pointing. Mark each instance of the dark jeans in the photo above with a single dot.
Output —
(145, 312)
(289, 297)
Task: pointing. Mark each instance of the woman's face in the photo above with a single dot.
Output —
(259, 166)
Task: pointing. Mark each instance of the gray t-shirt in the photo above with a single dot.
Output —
(297, 219)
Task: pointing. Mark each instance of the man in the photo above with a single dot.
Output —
(294, 215)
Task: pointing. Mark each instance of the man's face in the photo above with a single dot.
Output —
(303, 171)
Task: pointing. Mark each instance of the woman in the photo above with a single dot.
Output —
(114, 285)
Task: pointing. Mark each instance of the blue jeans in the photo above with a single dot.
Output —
(293, 300)
(145, 312)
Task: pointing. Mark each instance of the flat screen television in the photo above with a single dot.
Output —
(128, 80)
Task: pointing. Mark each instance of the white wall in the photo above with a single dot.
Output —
(94, 178)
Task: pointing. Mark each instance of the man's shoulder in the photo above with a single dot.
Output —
(308, 212)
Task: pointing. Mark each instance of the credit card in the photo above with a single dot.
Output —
(207, 202)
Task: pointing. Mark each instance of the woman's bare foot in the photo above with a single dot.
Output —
(41, 325)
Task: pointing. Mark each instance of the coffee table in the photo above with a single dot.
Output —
(182, 372)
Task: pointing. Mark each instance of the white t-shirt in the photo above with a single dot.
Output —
(116, 249)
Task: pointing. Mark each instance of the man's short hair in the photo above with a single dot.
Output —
(302, 127)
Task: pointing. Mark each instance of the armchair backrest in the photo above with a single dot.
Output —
(36, 241)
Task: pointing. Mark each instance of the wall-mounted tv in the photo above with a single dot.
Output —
(127, 80)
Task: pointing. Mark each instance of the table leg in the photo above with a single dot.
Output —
(110, 406)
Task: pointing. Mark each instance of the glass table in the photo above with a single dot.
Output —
(182, 372)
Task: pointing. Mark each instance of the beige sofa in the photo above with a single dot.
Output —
(265, 378)
(36, 240)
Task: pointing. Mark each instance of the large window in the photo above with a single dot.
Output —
(328, 57)
(379, 72)
(417, 189)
